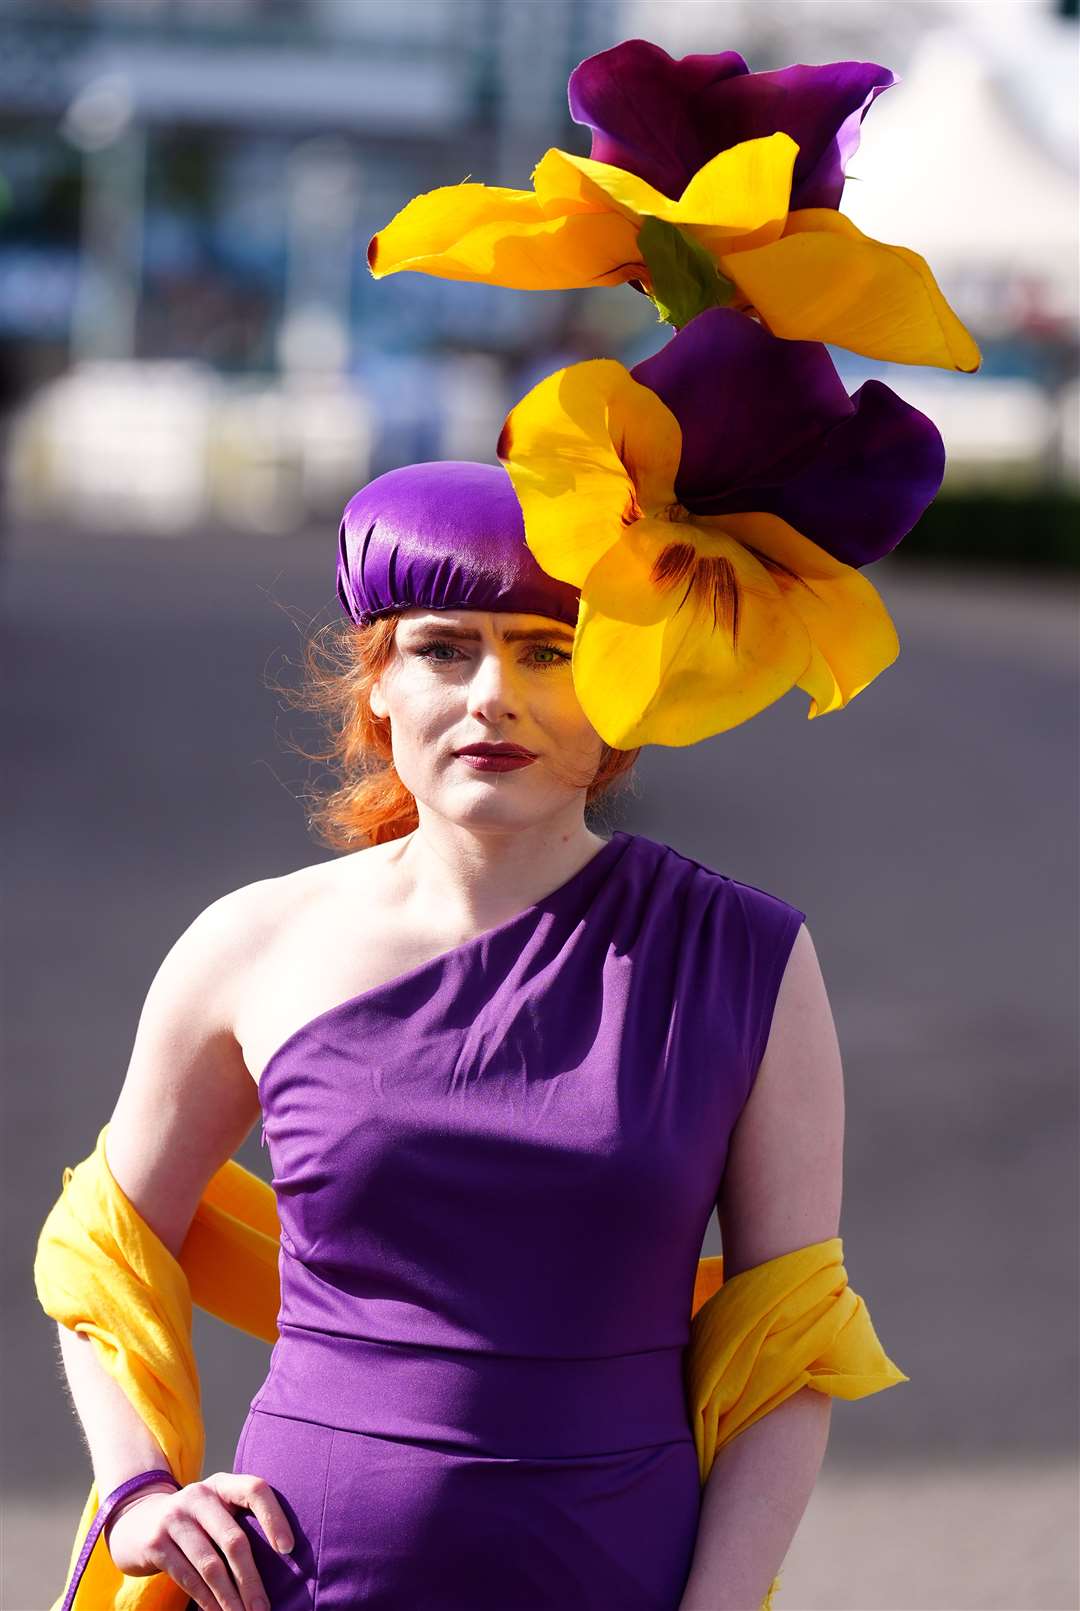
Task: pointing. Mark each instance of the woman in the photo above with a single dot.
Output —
(506, 1067)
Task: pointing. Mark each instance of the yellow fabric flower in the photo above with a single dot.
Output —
(808, 274)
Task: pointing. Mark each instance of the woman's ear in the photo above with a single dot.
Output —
(377, 702)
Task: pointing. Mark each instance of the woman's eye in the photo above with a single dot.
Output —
(550, 649)
(431, 651)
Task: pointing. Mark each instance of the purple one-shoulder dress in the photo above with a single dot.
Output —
(494, 1175)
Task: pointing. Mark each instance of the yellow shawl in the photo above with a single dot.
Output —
(755, 1340)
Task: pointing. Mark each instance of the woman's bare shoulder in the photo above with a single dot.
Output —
(255, 914)
(264, 939)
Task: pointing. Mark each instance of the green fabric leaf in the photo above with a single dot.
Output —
(685, 280)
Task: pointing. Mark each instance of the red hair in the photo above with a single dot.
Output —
(367, 803)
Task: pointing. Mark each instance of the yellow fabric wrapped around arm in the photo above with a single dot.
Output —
(100, 1269)
(789, 1323)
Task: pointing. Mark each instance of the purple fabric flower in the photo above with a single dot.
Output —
(663, 119)
(768, 427)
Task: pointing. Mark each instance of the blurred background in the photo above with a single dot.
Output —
(196, 371)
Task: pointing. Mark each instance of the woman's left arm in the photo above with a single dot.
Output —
(781, 1190)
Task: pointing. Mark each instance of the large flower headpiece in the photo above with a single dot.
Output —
(714, 506)
(707, 186)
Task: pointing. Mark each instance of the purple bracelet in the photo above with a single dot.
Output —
(105, 1510)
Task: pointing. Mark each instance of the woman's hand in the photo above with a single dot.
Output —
(192, 1535)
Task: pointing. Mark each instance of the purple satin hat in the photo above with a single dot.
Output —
(443, 536)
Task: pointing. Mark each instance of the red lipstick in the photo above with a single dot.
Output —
(496, 757)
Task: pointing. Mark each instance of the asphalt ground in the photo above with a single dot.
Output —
(929, 831)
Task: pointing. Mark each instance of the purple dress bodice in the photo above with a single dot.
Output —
(494, 1174)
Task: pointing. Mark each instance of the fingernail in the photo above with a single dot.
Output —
(259, 1605)
(284, 1543)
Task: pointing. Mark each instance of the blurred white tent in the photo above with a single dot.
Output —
(953, 164)
(948, 166)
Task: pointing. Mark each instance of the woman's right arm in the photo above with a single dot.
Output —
(187, 1103)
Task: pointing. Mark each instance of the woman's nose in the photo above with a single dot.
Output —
(492, 685)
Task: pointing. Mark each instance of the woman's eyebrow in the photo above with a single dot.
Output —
(520, 635)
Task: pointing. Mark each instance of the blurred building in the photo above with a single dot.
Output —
(191, 189)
